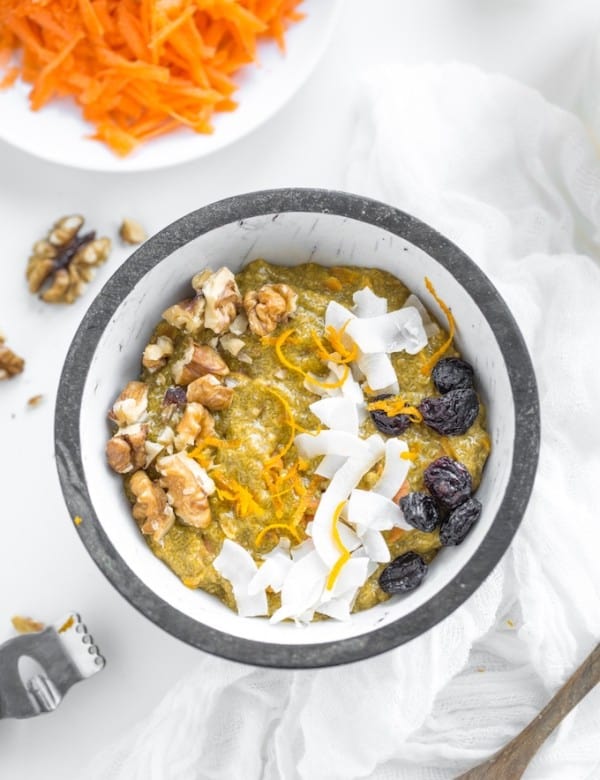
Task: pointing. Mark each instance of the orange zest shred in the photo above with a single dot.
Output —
(275, 526)
(342, 354)
(408, 455)
(394, 534)
(281, 340)
(335, 338)
(394, 406)
(77, 520)
(66, 625)
(345, 553)
(333, 284)
(428, 365)
(137, 68)
(229, 489)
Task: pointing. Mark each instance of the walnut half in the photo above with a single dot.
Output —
(62, 263)
(209, 391)
(131, 405)
(126, 450)
(267, 307)
(198, 360)
(196, 423)
(188, 487)
(151, 510)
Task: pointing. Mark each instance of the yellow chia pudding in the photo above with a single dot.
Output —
(301, 441)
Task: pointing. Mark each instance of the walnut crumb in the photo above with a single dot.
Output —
(157, 354)
(132, 232)
(26, 625)
(35, 400)
(10, 363)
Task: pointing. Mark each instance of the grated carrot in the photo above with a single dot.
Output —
(64, 48)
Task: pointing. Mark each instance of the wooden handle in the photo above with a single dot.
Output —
(513, 759)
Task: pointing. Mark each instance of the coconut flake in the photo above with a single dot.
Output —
(367, 304)
(338, 490)
(395, 469)
(372, 511)
(379, 372)
(330, 443)
(337, 413)
(329, 465)
(302, 589)
(237, 565)
(274, 569)
(337, 316)
(431, 327)
(398, 331)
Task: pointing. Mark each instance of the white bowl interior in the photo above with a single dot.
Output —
(292, 238)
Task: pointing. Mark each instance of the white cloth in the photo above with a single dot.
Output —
(515, 182)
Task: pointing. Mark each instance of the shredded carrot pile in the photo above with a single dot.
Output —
(137, 68)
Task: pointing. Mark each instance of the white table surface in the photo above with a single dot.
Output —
(44, 570)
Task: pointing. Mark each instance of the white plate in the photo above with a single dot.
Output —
(59, 134)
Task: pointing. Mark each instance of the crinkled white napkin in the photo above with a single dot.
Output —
(515, 182)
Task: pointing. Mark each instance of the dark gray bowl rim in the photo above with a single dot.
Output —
(254, 204)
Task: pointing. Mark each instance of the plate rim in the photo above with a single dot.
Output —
(129, 164)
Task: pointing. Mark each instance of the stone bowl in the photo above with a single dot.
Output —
(291, 226)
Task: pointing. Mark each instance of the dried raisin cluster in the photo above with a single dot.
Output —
(449, 504)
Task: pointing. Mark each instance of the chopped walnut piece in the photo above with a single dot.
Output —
(187, 315)
(35, 400)
(196, 423)
(10, 363)
(126, 450)
(232, 344)
(156, 355)
(151, 510)
(62, 263)
(198, 360)
(269, 306)
(188, 487)
(240, 324)
(26, 625)
(132, 232)
(223, 299)
(131, 406)
(210, 392)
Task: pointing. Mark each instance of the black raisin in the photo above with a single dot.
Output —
(420, 511)
(452, 373)
(390, 426)
(448, 481)
(459, 522)
(453, 413)
(404, 573)
(175, 395)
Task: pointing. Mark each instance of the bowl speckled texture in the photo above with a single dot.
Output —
(291, 226)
